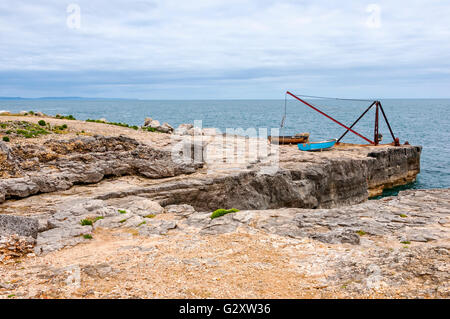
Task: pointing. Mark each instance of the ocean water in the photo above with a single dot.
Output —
(423, 122)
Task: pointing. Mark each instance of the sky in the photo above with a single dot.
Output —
(224, 49)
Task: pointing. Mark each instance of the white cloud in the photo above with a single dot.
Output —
(215, 37)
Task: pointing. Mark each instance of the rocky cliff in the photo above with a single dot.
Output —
(58, 164)
(345, 175)
(308, 180)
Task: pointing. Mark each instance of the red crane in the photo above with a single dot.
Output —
(376, 133)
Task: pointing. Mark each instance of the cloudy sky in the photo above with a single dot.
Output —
(213, 49)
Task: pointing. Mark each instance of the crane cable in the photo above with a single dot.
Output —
(284, 116)
(334, 98)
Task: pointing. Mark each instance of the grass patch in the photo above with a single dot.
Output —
(31, 133)
(406, 242)
(221, 212)
(403, 215)
(150, 216)
(122, 211)
(148, 128)
(11, 296)
(87, 236)
(122, 221)
(143, 223)
(25, 133)
(30, 130)
(5, 139)
(134, 127)
(42, 123)
(361, 232)
(24, 129)
(95, 121)
(68, 117)
(86, 222)
(59, 129)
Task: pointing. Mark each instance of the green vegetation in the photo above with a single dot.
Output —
(90, 221)
(5, 139)
(87, 236)
(220, 212)
(148, 128)
(150, 216)
(122, 221)
(31, 112)
(68, 117)
(59, 129)
(86, 222)
(31, 131)
(361, 232)
(96, 121)
(122, 211)
(405, 242)
(11, 296)
(23, 128)
(143, 223)
(42, 123)
(403, 215)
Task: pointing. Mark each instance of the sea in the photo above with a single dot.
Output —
(424, 122)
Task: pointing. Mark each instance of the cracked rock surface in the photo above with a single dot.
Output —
(391, 247)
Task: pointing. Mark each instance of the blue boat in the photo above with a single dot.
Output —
(316, 146)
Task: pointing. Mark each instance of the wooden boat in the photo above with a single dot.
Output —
(295, 139)
(316, 146)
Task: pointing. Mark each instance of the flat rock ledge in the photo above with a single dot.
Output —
(413, 216)
(395, 246)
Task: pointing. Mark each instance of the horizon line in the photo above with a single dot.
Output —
(12, 98)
